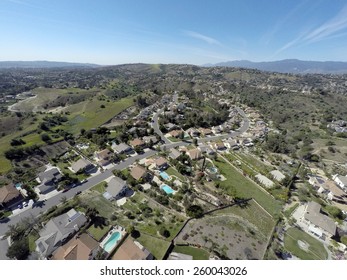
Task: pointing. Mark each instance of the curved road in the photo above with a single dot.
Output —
(92, 181)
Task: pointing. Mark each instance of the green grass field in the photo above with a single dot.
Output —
(89, 114)
(314, 251)
(172, 171)
(156, 246)
(196, 253)
(237, 184)
(98, 232)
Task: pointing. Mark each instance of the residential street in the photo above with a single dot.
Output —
(55, 200)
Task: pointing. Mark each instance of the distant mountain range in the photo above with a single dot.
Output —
(44, 64)
(289, 66)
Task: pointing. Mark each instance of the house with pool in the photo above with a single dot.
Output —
(116, 189)
(57, 231)
(113, 238)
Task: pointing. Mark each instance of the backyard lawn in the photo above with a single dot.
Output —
(98, 232)
(303, 245)
(173, 171)
(156, 246)
(198, 254)
(237, 184)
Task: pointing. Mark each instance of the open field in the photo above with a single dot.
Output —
(340, 146)
(89, 114)
(44, 96)
(254, 214)
(28, 125)
(303, 245)
(229, 234)
(237, 184)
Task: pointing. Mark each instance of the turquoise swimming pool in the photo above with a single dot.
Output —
(112, 241)
(167, 189)
(165, 176)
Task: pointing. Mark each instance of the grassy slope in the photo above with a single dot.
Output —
(237, 183)
(253, 214)
(88, 114)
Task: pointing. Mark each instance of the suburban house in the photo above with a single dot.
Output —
(247, 143)
(132, 250)
(137, 142)
(175, 133)
(161, 163)
(81, 247)
(9, 196)
(332, 192)
(277, 175)
(148, 139)
(174, 153)
(104, 157)
(138, 172)
(216, 129)
(219, 146)
(205, 131)
(170, 126)
(193, 132)
(116, 188)
(58, 230)
(195, 154)
(232, 144)
(341, 181)
(49, 180)
(81, 165)
(206, 149)
(121, 148)
(318, 223)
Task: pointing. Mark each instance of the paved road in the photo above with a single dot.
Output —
(155, 125)
(55, 200)
(3, 249)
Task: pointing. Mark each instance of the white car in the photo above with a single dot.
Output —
(25, 204)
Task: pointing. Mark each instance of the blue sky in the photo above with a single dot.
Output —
(172, 31)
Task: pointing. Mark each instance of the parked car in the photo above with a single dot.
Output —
(25, 203)
(77, 193)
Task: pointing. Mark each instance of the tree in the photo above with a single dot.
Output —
(45, 137)
(195, 211)
(19, 249)
(164, 232)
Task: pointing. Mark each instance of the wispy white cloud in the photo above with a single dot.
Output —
(328, 30)
(202, 37)
(277, 27)
(336, 24)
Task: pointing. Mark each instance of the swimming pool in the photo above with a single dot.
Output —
(112, 241)
(167, 189)
(165, 176)
(213, 169)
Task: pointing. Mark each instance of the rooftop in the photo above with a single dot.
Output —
(131, 250)
(137, 172)
(314, 215)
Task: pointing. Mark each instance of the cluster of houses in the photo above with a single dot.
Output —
(334, 190)
(61, 239)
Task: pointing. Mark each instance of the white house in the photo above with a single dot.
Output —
(341, 181)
